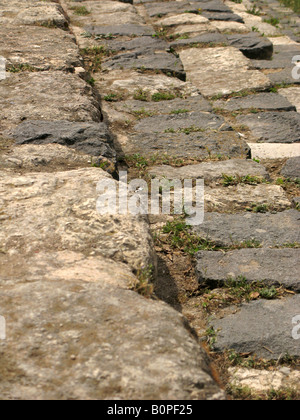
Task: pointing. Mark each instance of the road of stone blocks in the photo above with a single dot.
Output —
(76, 328)
(165, 78)
(191, 80)
(195, 82)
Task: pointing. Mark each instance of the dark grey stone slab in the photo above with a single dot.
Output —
(196, 145)
(252, 46)
(267, 229)
(273, 127)
(210, 39)
(163, 9)
(196, 121)
(120, 30)
(143, 44)
(167, 63)
(213, 6)
(261, 101)
(284, 77)
(270, 266)
(292, 168)
(262, 327)
(90, 138)
(226, 17)
(282, 58)
(195, 104)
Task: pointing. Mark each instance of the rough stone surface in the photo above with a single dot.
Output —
(265, 101)
(120, 30)
(192, 120)
(58, 211)
(226, 17)
(90, 138)
(46, 96)
(39, 48)
(194, 104)
(214, 71)
(39, 158)
(244, 197)
(105, 345)
(186, 18)
(130, 82)
(292, 168)
(211, 171)
(167, 63)
(292, 95)
(32, 13)
(273, 127)
(255, 265)
(209, 39)
(252, 46)
(196, 145)
(262, 327)
(274, 150)
(282, 58)
(267, 229)
(264, 380)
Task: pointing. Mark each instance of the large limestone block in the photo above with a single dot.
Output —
(32, 13)
(54, 211)
(38, 48)
(46, 96)
(75, 331)
(221, 71)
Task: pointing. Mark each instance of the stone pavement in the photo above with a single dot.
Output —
(164, 89)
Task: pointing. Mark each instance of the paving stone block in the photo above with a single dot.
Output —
(196, 145)
(274, 150)
(273, 127)
(211, 171)
(167, 63)
(187, 122)
(267, 229)
(292, 168)
(263, 328)
(252, 46)
(261, 101)
(38, 48)
(215, 70)
(90, 138)
(270, 266)
(46, 96)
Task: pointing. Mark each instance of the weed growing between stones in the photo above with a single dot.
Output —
(93, 58)
(293, 4)
(273, 21)
(144, 285)
(230, 180)
(80, 11)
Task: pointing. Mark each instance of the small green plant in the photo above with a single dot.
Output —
(18, 68)
(144, 284)
(139, 161)
(163, 96)
(256, 160)
(230, 180)
(211, 337)
(142, 113)
(80, 11)
(258, 208)
(141, 95)
(113, 97)
(254, 11)
(273, 21)
(293, 4)
(180, 111)
(91, 81)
